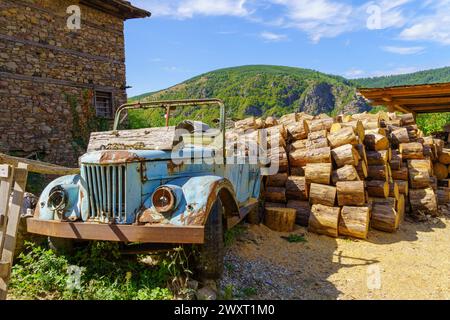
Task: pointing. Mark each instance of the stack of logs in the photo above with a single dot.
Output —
(339, 175)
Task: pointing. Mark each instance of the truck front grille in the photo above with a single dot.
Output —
(107, 193)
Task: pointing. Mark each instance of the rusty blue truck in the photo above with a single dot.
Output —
(169, 185)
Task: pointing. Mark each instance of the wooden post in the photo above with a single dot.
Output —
(12, 225)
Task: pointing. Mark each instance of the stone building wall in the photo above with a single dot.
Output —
(48, 76)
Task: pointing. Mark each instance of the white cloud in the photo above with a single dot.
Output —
(354, 73)
(183, 9)
(403, 50)
(395, 71)
(273, 37)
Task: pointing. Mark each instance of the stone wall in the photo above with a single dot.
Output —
(48, 71)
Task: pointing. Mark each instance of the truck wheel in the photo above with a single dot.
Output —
(60, 245)
(209, 264)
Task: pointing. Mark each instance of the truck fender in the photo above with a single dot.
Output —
(200, 194)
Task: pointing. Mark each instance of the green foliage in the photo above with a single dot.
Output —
(295, 238)
(228, 293)
(42, 274)
(249, 292)
(433, 122)
(234, 233)
(422, 77)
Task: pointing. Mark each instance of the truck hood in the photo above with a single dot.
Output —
(129, 156)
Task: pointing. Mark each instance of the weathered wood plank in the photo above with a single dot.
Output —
(38, 166)
(5, 192)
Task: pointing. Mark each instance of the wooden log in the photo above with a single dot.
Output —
(419, 179)
(345, 155)
(245, 124)
(324, 220)
(401, 174)
(318, 173)
(371, 125)
(300, 158)
(412, 150)
(354, 222)
(423, 201)
(444, 183)
(407, 119)
(317, 144)
(376, 142)
(403, 187)
(303, 211)
(384, 216)
(279, 160)
(440, 144)
(443, 195)
(378, 173)
(296, 188)
(375, 158)
(346, 173)
(275, 194)
(377, 189)
(298, 171)
(271, 122)
(381, 131)
(361, 151)
(288, 119)
(274, 205)
(434, 183)
(396, 160)
(322, 194)
(362, 169)
(440, 171)
(400, 136)
(342, 137)
(351, 193)
(394, 191)
(260, 123)
(280, 219)
(277, 180)
(400, 210)
(444, 157)
(357, 126)
(422, 164)
(319, 124)
(297, 131)
(298, 145)
(321, 134)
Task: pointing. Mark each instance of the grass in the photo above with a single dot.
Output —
(96, 272)
(233, 234)
(295, 238)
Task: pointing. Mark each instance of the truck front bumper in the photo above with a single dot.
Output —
(119, 233)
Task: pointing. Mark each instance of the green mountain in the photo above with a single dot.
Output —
(269, 90)
(421, 77)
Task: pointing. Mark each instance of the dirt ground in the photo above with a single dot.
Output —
(413, 263)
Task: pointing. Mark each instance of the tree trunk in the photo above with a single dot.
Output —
(351, 193)
(280, 219)
(324, 220)
(322, 194)
(376, 142)
(412, 150)
(423, 201)
(379, 172)
(277, 180)
(346, 173)
(403, 187)
(303, 210)
(354, 222)
(377, 189)
(384, 215)
(274, 194)
(318, 173)
(296, 188)
(375, 158)
(342, 137)
(345, 155)
(300, 158)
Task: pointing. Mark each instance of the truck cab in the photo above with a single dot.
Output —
(173, 184)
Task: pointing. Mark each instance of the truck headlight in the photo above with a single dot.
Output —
(164, 199)
(57, 199)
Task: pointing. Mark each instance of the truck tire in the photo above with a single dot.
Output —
(209, 264)
(60, 245)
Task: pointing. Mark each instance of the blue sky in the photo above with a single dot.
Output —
(184, 38)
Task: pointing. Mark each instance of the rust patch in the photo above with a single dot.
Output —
(109, 157)
(172, 167)
(149, 216)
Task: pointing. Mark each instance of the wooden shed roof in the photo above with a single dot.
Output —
(119, 8)
(427, 98)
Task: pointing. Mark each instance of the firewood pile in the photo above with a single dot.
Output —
(342, 175)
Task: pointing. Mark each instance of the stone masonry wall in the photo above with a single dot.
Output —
(47, 71)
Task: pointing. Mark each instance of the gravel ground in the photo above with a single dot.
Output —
(413, 263)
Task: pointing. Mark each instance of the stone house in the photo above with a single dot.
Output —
(62, 73)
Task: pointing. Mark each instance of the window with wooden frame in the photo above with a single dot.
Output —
(104, 104)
